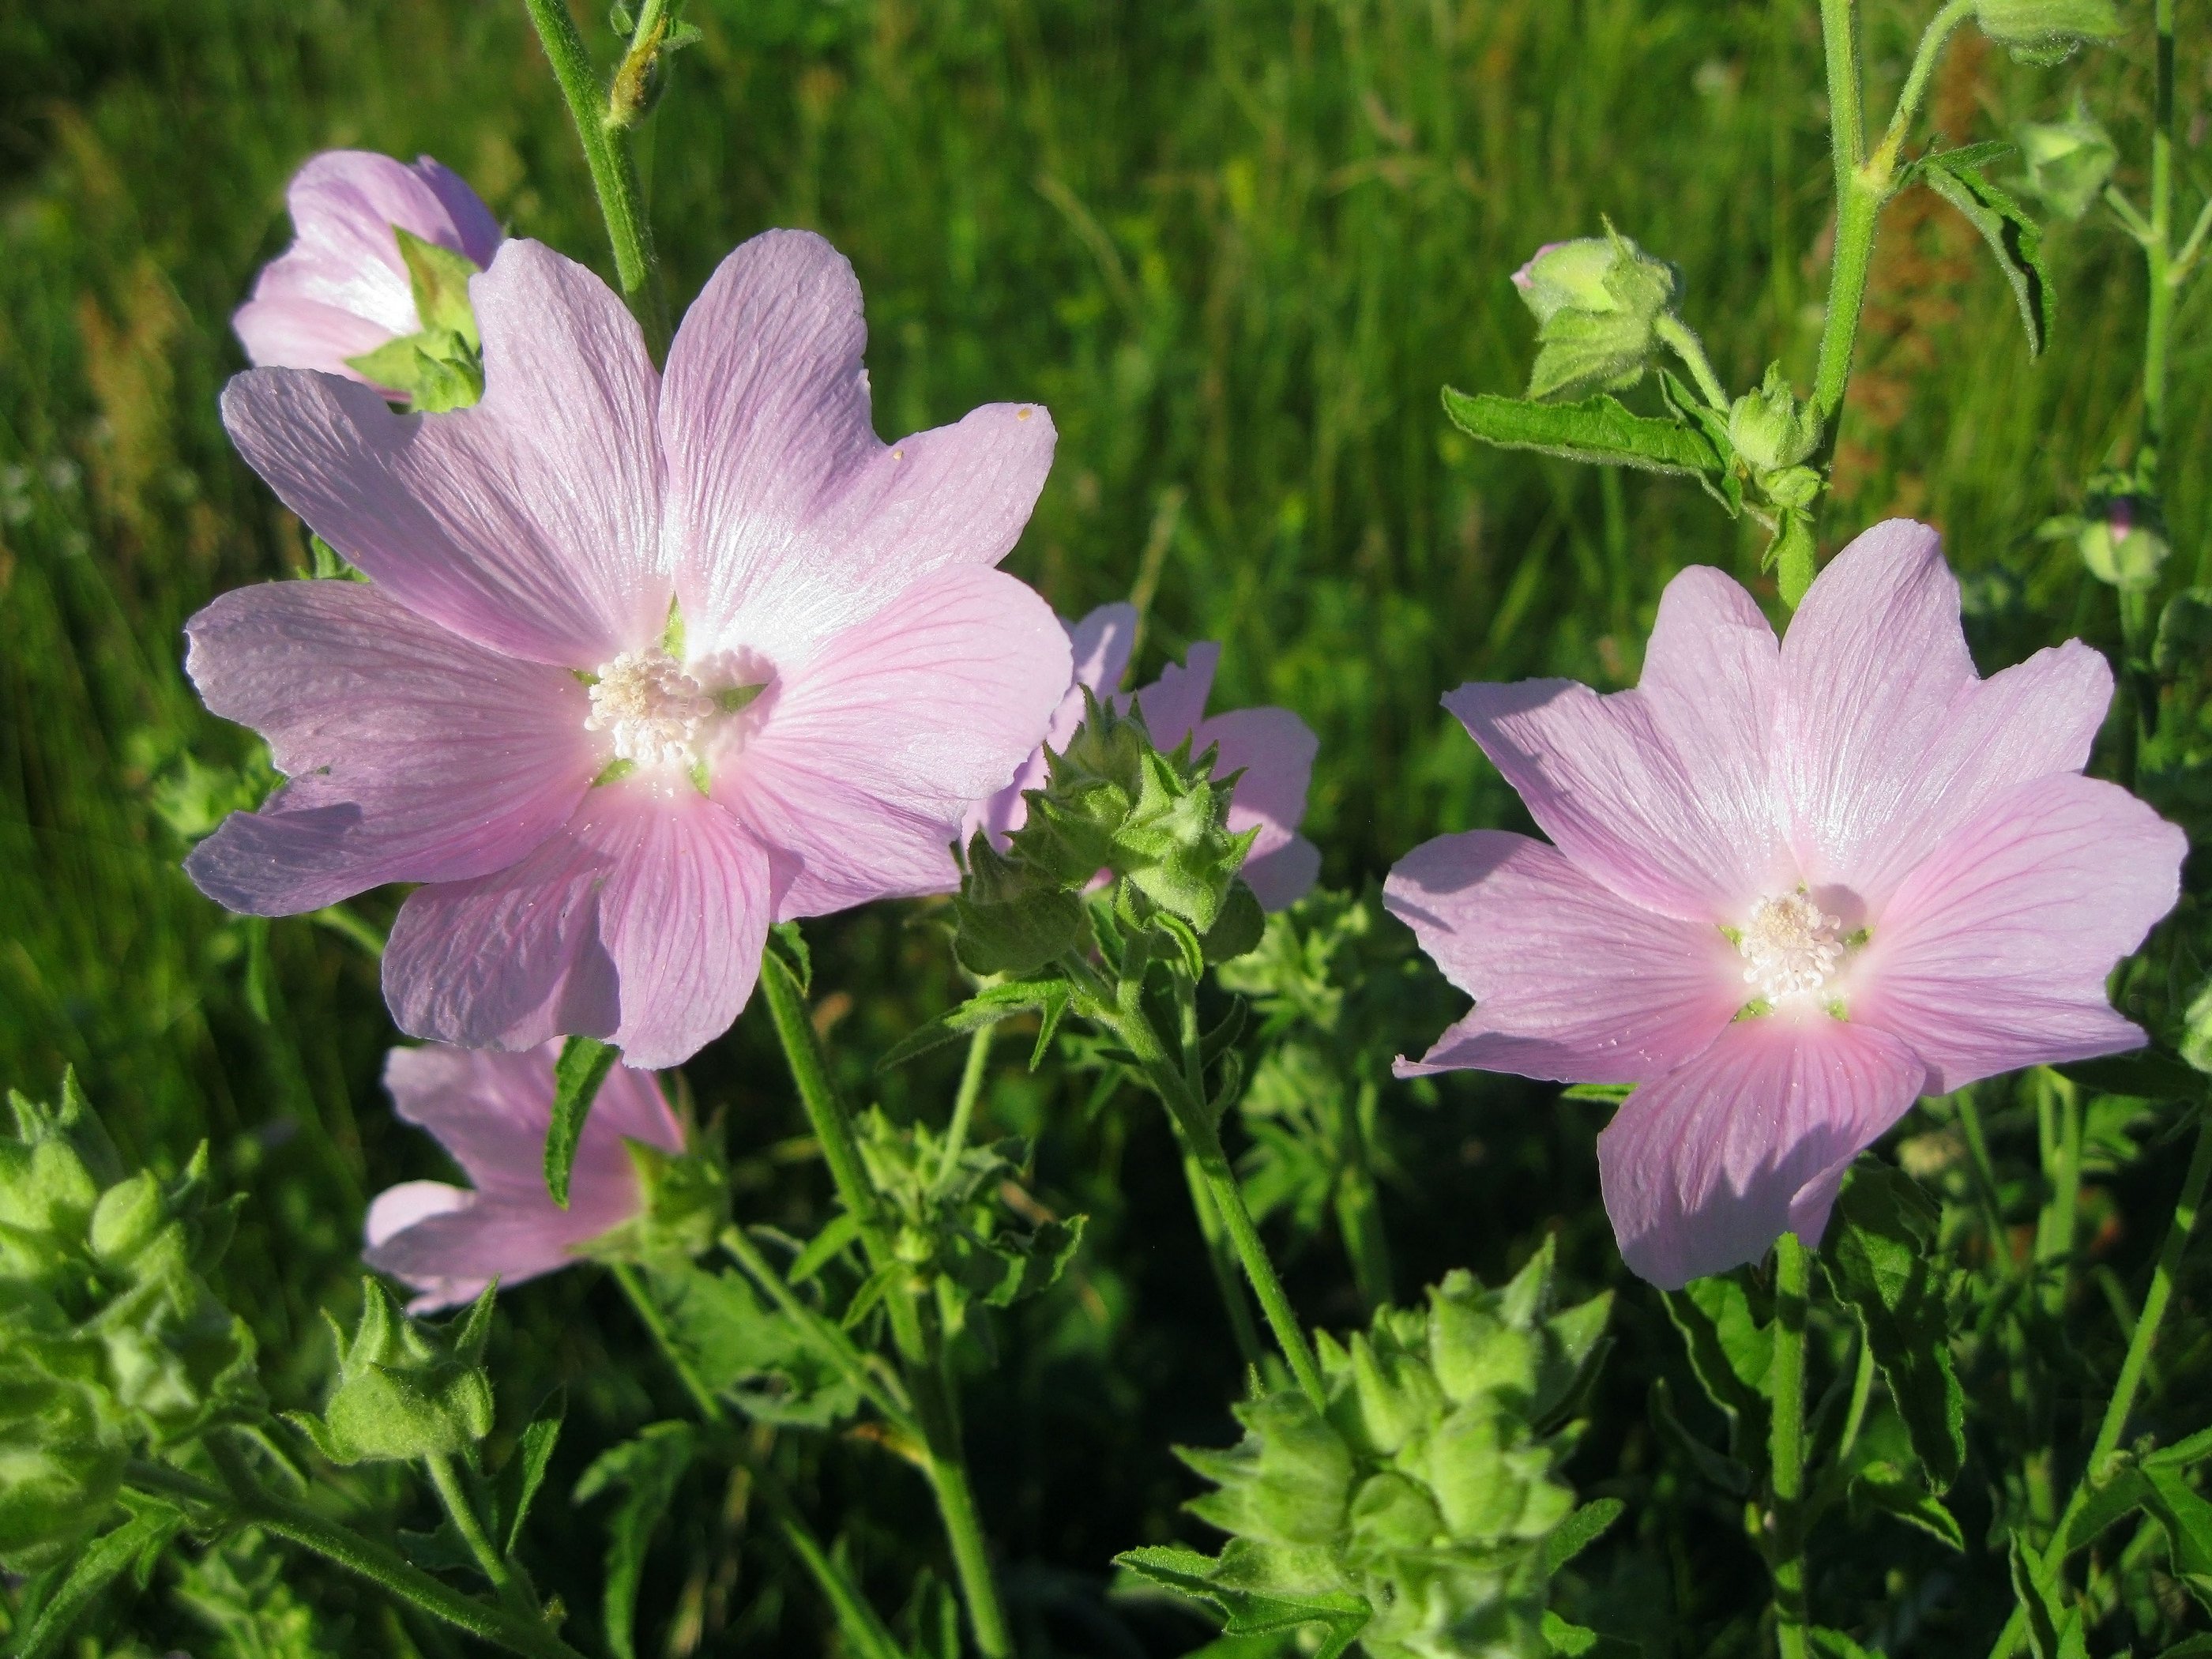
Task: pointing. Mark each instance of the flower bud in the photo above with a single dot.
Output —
(406, 1389)
(1597, 302)
(2121, 545)
(1771, 429)
(2197, 1030)
(2068, 162)
(2046, 31)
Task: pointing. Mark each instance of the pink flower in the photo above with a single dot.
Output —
(1274, 747)
(341, 289)
(607, 817)
(491, 1111)
(1790, 889)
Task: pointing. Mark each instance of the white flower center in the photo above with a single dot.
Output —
(650, 707)
(1790, 948)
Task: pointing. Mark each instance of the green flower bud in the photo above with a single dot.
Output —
(1013, 915)
(2121, 546)
(2046, 31)
(1176, 846)
(1288, 1482)
(1772, 430)
(128, 1218)
(1392, 1514)
(2068, 162)
(1396, 1395)
(406, 1389)
(1597, 302)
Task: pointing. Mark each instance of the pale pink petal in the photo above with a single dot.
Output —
(397, 1208)
(1661, 793)
(415, 755)
(344, 260)
(450, 1258)
(1275, 750)
(866, 759)
(788, 519)
(641, 923)
(1570, 981)
(1889, 740)
(1704, 1169)
(1174, 703)
(529, 523)
(1100, 644)
(1993, 954)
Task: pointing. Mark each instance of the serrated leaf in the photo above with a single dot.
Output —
(1880, 1256)
(525, 1466)
(838, 1232)
(1723, 485)
(2042, 1611)
(771, 1368)
(1580, 1530)
(1728, 1352)
(1601, 430)
(1883, 1488)
(2015, 238)
(583, 1067)
(1249, 1600)
(132, 1548)
(646, 1471)
(1045, 996)
(1031, 1265)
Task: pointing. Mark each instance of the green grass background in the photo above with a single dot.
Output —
(1237, 247)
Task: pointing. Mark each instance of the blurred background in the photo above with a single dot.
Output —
(1237, 247)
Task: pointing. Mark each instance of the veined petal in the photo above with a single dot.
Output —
(1175, 703)
(1661, 793)
(641, 922)
(1570, 981)
(396, 1209)
(1274, 750)
(1994, 953)
(867, 757)
(1706, 1167)
(414, 755)
(1100, 644)
(1889, 741)
(789, 519)
(530, 523)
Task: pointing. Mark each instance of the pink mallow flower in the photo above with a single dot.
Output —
(491, 1112)
(1274, 747)
(608, 806)
(341, 291)
(1790, 889)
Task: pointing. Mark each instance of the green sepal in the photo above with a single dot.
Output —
(434, 371)
(439, 278)
(1011, 920)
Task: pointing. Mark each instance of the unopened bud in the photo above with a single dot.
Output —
(1772, 430)
(2122, 546)
(2068, 162)
(406, 1389)
(2046, 31)
(1596, 300)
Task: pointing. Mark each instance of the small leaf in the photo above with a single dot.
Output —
(132, 1548)
(2042, 1611)
(1729, 1351)
(2015, 238)
(1612, 1093)
(646, 1471)
(583, 1067)
(1580, 1530)
(1599, 429)
(1009, 1000)
(1034, 1264)
(525, 1467)
(1883, 1488)
(1249, 1597)
(825, 1246)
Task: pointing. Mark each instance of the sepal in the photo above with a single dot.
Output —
(406, 1389)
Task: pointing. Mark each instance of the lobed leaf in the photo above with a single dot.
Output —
(2015, 238)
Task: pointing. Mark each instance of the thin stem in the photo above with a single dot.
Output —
(250, 1501)
(462, 1513)
(2185, 258)
(2061, 1160)
(1691, 350)
(348, 925)
(1854, 1414)
(2157, 250)
(855, 1618)
(1220, 1256)
(1785, 1379)
(1985, 1176)
(2138, 225)
(955, 1505)
(1359, 1206)
(832, 1338)
(648, 1315)
(1839, 46)
(606, 153)
(964, 1103)
(1916, 80)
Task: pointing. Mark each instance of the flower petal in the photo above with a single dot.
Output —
(396, 1209)
(1100, 644)
(1570, 981)
(1274, 750)
(1174, 703)
(789, 519)
(1887, 740)
(414, 755)
(1660, 792)
(866, 758)
(529, 523)
(1994, 953)
(1706, 1167)
(1283, 874)
(450, 1258)
(641, 923)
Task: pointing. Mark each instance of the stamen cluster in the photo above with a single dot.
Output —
(1791, 947)
(650, 706)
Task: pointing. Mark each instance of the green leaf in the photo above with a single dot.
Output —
(2193, 1449)
(583, 1066)
(2146, 1074)
(1599, 429)
(1691, 410)
(790, 947)
(440, 1551)
(525, 1466)
(1883, 1488)
(1252, 1594)
(1880, 1255)
(1611, 1093)
(1580, 1530)
(132, 1548)
(2013, 237)
(646, 1471)
(839, 1231)
(772, 1369)
(1716, 1468)
(2187, 1519)
(439, 279)
(2190, 1647)
(1045, 996)
(1729, 1351)
(2116, 1492)
(2042, 1611)
(1028, 1265)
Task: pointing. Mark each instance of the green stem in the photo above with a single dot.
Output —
(2062, 1162)
(648, 1315)
(856, 1619)
(504, 1581)
(1785, 1380)
(1916, 80)
(955, 1505)
(2158, 252)
(249, 1501)
(1855, 1415)
(964, 1103)
(1691, 350)
(606, 153)
(1986, 1178)
(1359, 1206)
(1220, 1256)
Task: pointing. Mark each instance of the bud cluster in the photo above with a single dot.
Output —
(110, 1341)
(1113, 806)
(1427, 1489)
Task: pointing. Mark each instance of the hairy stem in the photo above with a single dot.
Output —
(964, 1103)
(2158, 252)
(250, 1501)
(614, 176)
(505, 1582)
(1785, 1382)
(1220, 1256)
(1691, 350)
(1916, 80)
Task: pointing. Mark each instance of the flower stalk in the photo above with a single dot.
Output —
(1785, 1382)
